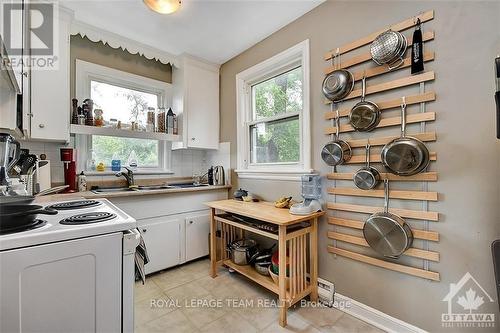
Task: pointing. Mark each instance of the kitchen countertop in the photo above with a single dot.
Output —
(92, 195)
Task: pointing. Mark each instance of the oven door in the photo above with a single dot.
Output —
(70, 286)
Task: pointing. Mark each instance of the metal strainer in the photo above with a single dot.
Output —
(389, 48)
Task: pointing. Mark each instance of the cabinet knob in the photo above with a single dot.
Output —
(190, 222)
(144, 230)
(41, 125)
(25, 74)
(192, 139)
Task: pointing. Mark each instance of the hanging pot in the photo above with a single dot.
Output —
(338, 151)
(405, 156)
(365, 115)
(388, 234)
(367, 177)
(338, 84)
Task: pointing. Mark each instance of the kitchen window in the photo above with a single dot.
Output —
(123, 97)
(273, 117)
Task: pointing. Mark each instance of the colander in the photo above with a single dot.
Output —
(389, 48)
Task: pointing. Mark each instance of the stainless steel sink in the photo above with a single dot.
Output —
(188, 185)
(154, 187)
(112, 190)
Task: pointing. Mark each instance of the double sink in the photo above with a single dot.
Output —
(145, 188)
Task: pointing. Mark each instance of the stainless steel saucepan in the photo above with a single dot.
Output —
(367, 177)
(338, 151)
(388, 234)
(405, 156)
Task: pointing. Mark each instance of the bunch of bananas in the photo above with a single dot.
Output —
(283, 202)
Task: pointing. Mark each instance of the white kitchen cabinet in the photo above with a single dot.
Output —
(162, 236)
(197, 230)
(50, 92)
(196, 103)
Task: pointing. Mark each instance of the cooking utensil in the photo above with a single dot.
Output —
(263, 267)
(242, 250)
(52, 190)
(14, 216)
(16, 200)
(338, 84)
(417, 54)
(28, 163)
(338, 151)
(367, 177)
(388, 234)
(365, 115)
(405, 156)
(389, 48)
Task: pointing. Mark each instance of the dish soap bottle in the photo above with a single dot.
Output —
(132, 160)
(116, 163)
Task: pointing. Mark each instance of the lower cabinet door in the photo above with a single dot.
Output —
(197, 230)
(162, 238)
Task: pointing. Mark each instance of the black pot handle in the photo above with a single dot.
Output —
(44, 211)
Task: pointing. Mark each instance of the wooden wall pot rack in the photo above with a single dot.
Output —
(349, 231)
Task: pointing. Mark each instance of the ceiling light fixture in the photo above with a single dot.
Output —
(163, 6)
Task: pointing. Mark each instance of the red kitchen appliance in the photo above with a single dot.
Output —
(68, 157)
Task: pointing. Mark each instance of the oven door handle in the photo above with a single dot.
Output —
(131, 239)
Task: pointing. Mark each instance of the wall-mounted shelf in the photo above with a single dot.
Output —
(107, 131)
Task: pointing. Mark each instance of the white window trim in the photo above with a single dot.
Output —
(85, 73)
(286, 60)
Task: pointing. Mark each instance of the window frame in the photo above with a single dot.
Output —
(295, 56)
(85, 73)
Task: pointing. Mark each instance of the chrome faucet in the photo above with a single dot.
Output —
(129, 176)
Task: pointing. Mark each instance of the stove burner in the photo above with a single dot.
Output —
(87, 218)
(75, 204)
(33, 225)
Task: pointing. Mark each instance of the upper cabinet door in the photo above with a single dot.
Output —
(196, 102)
(203, 108)
(50, 93)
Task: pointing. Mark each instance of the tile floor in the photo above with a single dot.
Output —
(186, 299)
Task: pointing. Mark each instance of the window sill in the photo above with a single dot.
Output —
(138, 172)
(286, 175)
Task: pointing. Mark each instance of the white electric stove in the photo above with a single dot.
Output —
(70, 272)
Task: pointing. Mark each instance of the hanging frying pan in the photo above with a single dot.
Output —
(338, 151)
(365, 115)
(405, 156)
(367, 177)
(388, 234)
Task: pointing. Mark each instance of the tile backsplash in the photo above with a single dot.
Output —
(184, 162)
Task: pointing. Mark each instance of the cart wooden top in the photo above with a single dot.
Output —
(264, 211)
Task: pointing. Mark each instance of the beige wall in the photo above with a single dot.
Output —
(467, 40)
(105, 55)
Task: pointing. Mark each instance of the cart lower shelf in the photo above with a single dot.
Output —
(265, 281)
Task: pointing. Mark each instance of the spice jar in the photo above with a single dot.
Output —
(161, 120)
(150, 125)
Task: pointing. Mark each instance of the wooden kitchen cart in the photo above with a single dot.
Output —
(292, 233)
